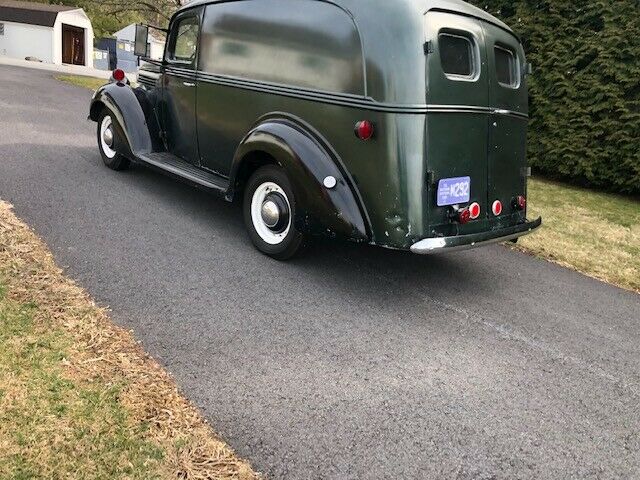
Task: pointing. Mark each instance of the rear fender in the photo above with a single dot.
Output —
(133, 109)
(308, 161)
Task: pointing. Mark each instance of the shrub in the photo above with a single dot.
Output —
(585, 89)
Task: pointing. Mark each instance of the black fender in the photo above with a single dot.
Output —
(135, 114)
(308, 161)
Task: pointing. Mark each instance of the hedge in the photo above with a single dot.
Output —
(585, 88)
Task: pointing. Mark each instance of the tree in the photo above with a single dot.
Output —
(585, 90)
(109, 16)
(159, 11)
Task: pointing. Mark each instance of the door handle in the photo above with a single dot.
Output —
(188, 84)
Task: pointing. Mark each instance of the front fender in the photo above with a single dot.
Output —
(135, 114)
(336, 212)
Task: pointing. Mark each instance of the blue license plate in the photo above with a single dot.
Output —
(452, 191)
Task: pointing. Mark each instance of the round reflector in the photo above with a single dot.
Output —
(464, 216)
(118, 75)
(497, 207)
(474, 210)
(364, 130)
(519, 203)
(522, 202)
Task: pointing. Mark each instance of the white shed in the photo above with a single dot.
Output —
(52, 33)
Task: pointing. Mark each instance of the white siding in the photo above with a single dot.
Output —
(127, 33)
(157, 50)
(21, 40)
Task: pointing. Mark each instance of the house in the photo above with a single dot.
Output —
(156, 42)
(50, 33)
(120, 49)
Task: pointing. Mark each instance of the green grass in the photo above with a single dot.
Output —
(53, 425)
(595, 233)
(91, 83)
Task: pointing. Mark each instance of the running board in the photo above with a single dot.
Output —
(172, 165)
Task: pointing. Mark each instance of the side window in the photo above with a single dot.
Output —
(507, 69)
(295, 43)
(458, 56)
(184, 41)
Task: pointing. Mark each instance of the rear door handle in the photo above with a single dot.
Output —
(188, 84)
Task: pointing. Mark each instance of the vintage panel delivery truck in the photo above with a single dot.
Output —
(396, 123)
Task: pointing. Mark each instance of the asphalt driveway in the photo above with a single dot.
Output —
(352, 362)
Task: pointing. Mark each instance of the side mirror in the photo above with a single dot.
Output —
(142, 41)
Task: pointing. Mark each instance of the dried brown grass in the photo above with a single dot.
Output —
(101, 352)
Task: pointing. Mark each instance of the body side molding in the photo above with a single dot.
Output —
(343, 99)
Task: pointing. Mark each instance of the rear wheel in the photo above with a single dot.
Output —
(269, 208)
(107, 133)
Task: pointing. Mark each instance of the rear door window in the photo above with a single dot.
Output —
(506, 67)
(457, 56)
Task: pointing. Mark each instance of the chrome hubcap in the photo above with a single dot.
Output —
(270, 213)
(107, 136)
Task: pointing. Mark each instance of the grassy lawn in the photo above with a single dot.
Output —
(78, 397)
(595, 233)
(91, 83)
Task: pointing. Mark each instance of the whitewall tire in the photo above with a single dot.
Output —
(108, 132)
(269, 210)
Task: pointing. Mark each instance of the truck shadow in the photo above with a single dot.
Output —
(362, 269)
(78, 176)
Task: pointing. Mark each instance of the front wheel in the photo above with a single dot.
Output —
(269, 208)
(107, 133)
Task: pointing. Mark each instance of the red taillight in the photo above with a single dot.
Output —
(474, 211)
(118, 75)
(464, 216)
(497, 208)
(519, 203)
(364, 130)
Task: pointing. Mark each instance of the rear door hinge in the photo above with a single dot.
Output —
(431, 179)
(428, 47)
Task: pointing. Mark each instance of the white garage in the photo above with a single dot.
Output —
(52, 33)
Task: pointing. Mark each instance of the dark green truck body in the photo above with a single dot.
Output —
(288, 80)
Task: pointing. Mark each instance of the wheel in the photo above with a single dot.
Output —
(269, 208)
(107, 132)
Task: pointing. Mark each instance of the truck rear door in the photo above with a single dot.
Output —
(507, 160)
(457, 119)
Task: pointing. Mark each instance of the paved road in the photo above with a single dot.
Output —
(351, 362)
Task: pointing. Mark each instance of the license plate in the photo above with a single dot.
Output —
(452, 191)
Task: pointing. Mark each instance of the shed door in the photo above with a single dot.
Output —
(458, 97)
(72, 45)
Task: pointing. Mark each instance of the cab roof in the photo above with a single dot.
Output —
(358, 8)
(393, 38)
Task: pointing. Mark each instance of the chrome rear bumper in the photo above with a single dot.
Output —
(430, 246)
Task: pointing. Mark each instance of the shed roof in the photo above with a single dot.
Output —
(31, 13)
